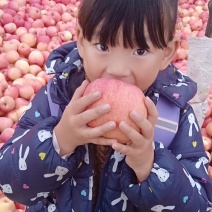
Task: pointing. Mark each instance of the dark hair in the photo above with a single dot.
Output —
(130, 16)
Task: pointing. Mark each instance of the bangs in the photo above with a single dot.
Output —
(107, 19)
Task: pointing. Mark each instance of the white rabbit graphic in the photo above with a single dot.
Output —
(44, 135)
(22, 161)
(6, 188)
(51, 70)
(122, 197)
(162, 174)
(60, 171)
(160, 208)
(192, 122)
(41, 194)
(2, 155)
(118, 157)
(16, 139)
(203, 161)
(51, 208)
(190, 178)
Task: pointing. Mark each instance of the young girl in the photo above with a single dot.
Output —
(55, 162)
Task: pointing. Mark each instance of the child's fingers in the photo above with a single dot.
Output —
(152, 113)
(99, 131)
(124, 149)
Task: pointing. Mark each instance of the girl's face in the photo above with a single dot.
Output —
(135, 66)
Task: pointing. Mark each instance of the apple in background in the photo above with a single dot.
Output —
(3, 61)
(42, 46)
(29, 39)
(34, 13)
(18, 20)
(11, 91)
(14, 73)
(19, 82)
(5, 123)
(20, 102)
(2, 32)
(23, 65)
(2, 77)
(21, 110)
(12, 115)
(36, 57)
(66, 17)
(3, 85)
(45, 54)
(10, 28)
(51, 31)
(42, 80)
(20, 31)
(26, 91)
(21, 2)
(12, 56)
(10, 45)
(6, 18)
(53, 45)
(48, 20)
(35, 84)
(7, 104)
(65, 36)
(34, 69)
(38, 23)
(43, 38)
(24, 49)
(6, 134)
(54, 14)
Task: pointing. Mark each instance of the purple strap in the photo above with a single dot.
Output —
(167, 123)
(54, 108)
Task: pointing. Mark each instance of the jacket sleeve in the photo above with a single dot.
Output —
(179, 180)
(30, 167)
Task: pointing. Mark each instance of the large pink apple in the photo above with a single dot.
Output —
(14, 73)
(12, 56)
(123, 98)
(10, 28)
(34, 13)
(7, 104)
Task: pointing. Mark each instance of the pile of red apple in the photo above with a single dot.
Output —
(31, 29)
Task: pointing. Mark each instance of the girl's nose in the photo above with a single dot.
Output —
(118, 69)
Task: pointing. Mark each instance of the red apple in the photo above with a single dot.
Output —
(7, 104)
(6, 18)
(3, 61)
(11, 91)
(14, 73)
(23, 65)
(123, 98)
(51, 31)
(20, 102)
(34, 13)
(24, 49)
(10, 28)
(10, 45)
(12, 56)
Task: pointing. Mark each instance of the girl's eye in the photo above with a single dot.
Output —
(102, 47)
(139, 52)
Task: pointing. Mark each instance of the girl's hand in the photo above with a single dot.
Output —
(139, 152)
(72, 130)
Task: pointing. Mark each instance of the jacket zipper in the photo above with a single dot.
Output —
(102, 182)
